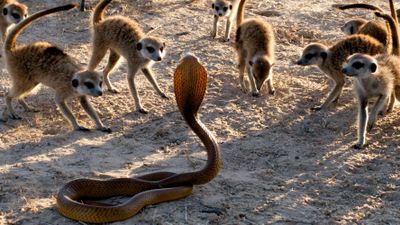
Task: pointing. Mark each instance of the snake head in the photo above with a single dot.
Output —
(190, 84)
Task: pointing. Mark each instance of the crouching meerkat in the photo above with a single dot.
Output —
(124, 37)
(255, 45)
(375, 77)
(43, 63)
(12, 13)
(221, 9)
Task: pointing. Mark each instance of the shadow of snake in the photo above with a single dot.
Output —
(190, 83)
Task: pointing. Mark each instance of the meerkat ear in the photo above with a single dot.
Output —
(251, 63)
(213, 5)
(230, 7)
(163, 44)
(324, 55)
(139, 46)
(5, 11)
(373, 67)
(75, 83)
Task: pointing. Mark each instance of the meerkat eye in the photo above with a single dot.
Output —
(225, 8)
(357, 65)
(89, 85)
(216, 8)
(309, 56)
(15, 15)
(150, 49)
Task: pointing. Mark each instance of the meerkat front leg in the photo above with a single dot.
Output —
(132, 70)
(362, 122)
(149, 75)
(252, 81)
(215, 27)
(93, 115)
(112, 61)
(228, 29)
(332, 96)
(271, 89)
(378, 106)
(68, 114)
(26, 106)
(242, 68)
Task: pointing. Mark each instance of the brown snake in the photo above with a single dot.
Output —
(190, 82)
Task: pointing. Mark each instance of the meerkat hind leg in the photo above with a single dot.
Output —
(378, 106)
(16, 92)
(26, 106)
(98, 54)
(112, 61)
(333, 96)
(149, 75)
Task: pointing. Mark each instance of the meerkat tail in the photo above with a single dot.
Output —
(357, 6)
(98, 14)
(393, 30)
(11, 39)
(393, 11)
(240, 13)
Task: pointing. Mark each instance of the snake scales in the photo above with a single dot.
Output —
(190, 83)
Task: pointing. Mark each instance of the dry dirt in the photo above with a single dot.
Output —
(282, 163)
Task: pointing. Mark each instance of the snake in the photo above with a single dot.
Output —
(190, 84)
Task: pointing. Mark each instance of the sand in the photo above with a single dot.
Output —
(282, 162)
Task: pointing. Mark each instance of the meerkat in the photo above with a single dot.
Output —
(43, 63)
(12, 13)
(330, 60)
(255, 45)
(376, 77)
(224, 8)
(124, 37)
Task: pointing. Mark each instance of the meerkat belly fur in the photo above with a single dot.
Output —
(221, 9)
(124, 37)
(375, 77)
(43, 63)
(255, 45)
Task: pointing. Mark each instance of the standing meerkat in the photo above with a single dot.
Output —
(330, 59)
(12, 13)
(224, 8)
(41, 62)
(124, 37)
(255, 45)
(375, 77)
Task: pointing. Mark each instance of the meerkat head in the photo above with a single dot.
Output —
(221, 8)
(352, 26)
(88, 83)
(313, 54)
(360, 65)
(151, 48)
(15, 12)
(261, 69)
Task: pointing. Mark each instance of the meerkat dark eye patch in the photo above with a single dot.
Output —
(16, 16)
(89, 85)
(225, 9)
(323, 55)
(5, 11)
(216, 8)
(150, 49)
(309, 56)
(75, 83)
(101, 84)
(357, 65)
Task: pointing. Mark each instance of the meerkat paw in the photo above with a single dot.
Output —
(214, 35)
(272, 92)
(14, 116)
(164, 96)
(143, 111)
(227, 39)
(316, 108)
(105, 129)
(113, 90)
(255, 94)
(81, 128)
(359, 146)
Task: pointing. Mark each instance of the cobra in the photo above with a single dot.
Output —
(190, 83)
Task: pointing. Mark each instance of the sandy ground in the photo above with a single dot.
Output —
(282, 163)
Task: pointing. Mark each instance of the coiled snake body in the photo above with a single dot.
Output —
(190, 82)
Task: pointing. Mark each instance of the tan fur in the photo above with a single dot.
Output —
(376, 77)
(330, 59)
(11, 12)
(255, 45)
(43, 63)
(224, 8)
(124, 37)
